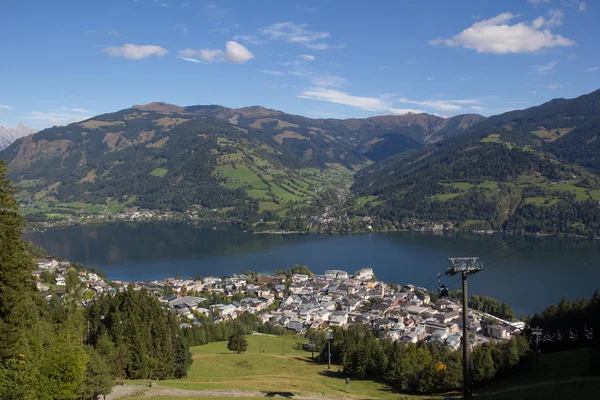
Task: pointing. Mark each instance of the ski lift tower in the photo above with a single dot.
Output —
(465, 266)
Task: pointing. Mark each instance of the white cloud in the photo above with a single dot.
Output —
(430, 78)
(271, 72)
(298, 33)
(441, 105)
(234, 53)
(538, 2)
(324, 46)
(545, 68)
(386, 103)
(580, 5)
(5, 107)
(184, 5)
(306, 57)
(293, 33)
(335, 96)
(135, 52)
(363, 103)
(113, 33)
(65, 116)
(496, 35)
(247, 39)
(329, 81)
(554, 86)
(210, 55)
(76, 110)
(190, 59)
(555, 19)
(589, 69)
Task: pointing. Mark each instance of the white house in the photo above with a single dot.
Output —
(60, 280)
(364, 274)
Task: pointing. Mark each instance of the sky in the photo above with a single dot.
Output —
(63, 61)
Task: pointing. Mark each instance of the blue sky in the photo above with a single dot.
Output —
(64, 61)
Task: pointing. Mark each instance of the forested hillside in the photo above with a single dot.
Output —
(239, 162)
(532, 170)
(504, 174)
(58, 349)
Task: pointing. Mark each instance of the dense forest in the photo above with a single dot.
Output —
(421, 368)
(59, 350)
(571, 325)
(503, 175)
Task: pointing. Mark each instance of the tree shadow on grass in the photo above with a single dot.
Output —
(288, 395)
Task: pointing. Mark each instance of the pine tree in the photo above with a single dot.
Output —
(238, 342)
(19, 302)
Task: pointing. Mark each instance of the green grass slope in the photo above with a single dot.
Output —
(294, 373)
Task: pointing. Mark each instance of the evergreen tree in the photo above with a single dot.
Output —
(238, 342)
(19, 302)
(98, 379)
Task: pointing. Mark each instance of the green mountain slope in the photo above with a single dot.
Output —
(502, 174)
(240, 161)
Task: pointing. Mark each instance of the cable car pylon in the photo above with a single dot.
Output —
(465, 266)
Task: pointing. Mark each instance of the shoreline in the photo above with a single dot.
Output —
(29, 230)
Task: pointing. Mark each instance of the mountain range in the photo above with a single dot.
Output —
(8, 135)
(248, 162)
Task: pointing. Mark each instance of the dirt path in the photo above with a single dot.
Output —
(139, 391)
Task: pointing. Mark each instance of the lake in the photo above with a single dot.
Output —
(529, 281)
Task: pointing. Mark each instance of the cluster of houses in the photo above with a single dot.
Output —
(50, 277)
(300, 302)
(336, 298)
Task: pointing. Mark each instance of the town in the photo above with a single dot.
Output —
(298, 300)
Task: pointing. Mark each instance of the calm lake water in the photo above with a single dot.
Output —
(530, 280)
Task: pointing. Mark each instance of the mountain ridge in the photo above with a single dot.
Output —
(8, 135)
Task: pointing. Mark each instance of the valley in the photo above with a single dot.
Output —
(520, 172)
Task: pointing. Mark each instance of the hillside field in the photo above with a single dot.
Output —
(218, 373)
(271, 373)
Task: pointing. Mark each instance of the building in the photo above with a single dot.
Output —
(60, 280)
(497, 331)
(336, 274)
(364, 274)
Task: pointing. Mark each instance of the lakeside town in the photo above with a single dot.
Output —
(296, 300)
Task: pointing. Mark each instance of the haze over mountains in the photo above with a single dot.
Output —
(467, 169)
(8, 135)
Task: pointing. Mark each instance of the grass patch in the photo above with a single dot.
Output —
(159, 172)
(445, 196)
(540, 201)
(462, 185)
(488, 185)
(475, 224)
(361, 201)
(265, 368)
(284, 194)
(245, 175)
(268, 206)
(494, 138)
(258, 194)
(595, 194)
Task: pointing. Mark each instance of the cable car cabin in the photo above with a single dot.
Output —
(444, 291)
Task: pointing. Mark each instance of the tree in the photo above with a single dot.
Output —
(98, 379)
(19, 302)
(316, 340)
(238, 342)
